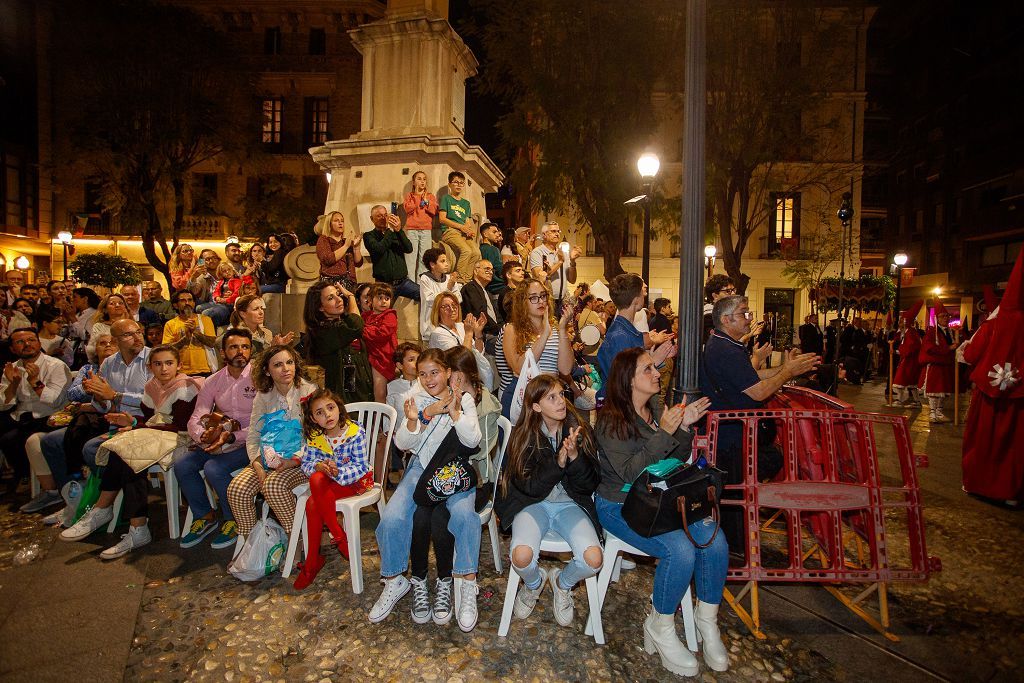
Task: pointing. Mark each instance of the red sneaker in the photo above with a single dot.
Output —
(307, 572)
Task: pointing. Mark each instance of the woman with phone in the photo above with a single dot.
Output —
(333, 323)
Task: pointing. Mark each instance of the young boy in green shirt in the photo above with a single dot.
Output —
(459, 230)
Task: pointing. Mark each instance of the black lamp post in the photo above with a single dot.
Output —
(648, 165)
(65, 238)
(845, 215)
(898, 261)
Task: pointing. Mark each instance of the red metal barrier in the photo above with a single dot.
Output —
(838, 508)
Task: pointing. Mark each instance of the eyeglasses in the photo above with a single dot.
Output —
(749, 315)
(537, 298)
(727, 290)
(449, 307)
(127, 336)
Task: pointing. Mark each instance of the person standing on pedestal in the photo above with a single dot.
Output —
(420, 210)
(388, 245)
(936, 356)
(454, 212)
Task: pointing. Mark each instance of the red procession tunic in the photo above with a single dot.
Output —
(909, 369)
(936, 358)
(993, 450)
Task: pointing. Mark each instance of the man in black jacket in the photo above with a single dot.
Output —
(478, 301)
(811, 338)
(388, 245)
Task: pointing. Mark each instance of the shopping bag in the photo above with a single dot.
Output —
(90, 493)
(262, 552)
(529, 370)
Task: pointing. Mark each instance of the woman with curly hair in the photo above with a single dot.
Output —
(274, 439)
(531, 330)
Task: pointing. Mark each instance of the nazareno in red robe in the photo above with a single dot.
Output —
(993, 446)
(908, 372)
(936, 358)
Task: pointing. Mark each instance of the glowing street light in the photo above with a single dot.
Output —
(710, 252)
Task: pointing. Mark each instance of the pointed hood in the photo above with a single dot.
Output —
(938, 308)
(1013, 297)
(990, 299)
(913, 311)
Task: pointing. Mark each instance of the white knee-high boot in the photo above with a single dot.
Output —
(715, 654)
(660, 636)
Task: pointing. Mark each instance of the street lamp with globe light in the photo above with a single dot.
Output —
(898, 261)
(648, 165)
(710, 252)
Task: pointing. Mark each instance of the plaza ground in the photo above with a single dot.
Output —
(166, 614)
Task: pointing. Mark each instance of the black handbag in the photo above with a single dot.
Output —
(656, 505)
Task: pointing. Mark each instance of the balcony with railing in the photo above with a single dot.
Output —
(787, 249)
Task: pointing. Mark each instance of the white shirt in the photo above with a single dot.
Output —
(429, 289)
(558, 279)
(268, 402)
(53, 373)
(426, 439)
(640, 322)
(397, 389)
(83, 324)
(443, 338)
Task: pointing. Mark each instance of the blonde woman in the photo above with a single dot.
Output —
(448, 330)
(181, 265)
(339, 255)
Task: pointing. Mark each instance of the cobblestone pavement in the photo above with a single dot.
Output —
(196, 622)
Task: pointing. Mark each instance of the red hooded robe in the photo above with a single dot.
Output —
(993, 446)
(937, 357)
(909, 369)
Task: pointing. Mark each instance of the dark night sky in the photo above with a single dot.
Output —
(481, 112)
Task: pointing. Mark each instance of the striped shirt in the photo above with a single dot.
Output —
(548, 360)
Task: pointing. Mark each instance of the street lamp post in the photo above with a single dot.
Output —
(648, 165)
(65, 238)
(845, 215)
(709, 259)
(898, 261)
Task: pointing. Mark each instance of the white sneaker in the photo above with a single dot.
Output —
(95, 518)
(526, 598)
(468, 614)
(443, 601)
(626, 564)
(421, 612)
(563, 603)
(395, 589)
(136, 537)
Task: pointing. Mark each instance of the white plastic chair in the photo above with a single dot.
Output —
(487, 517)
(553, 543)
(613, 549)
(371, 416)
(173, 500)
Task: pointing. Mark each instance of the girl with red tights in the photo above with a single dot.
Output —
(336, 460)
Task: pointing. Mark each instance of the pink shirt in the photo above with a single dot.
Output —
(232, 397)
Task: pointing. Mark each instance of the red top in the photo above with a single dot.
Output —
(417, 217)
(331, 266)
(380, 337)
(228, 289)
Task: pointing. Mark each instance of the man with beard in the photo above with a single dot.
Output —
(33, 388)
(233, 252)
(490, 249)
(218, 427)
(193, 334)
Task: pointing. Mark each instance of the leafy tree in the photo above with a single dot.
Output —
(577, 79)
(769, 73)
(280, 206)
(152, 91)
(106, 270)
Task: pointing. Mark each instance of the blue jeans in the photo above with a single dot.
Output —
(52, 446)
(271, 289)
(394, 533)
(218, 469)
(421, 241)
(571, 523)
(218, 313)
(678, 559)
(406, 288)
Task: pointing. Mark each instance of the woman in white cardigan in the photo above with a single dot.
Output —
(274, 439)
